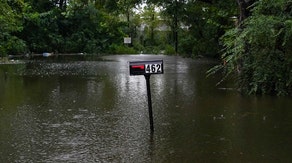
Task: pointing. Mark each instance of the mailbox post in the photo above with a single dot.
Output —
(147, 68)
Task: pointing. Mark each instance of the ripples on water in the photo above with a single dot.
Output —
(93, 111)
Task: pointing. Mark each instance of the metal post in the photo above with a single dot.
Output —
(147, 77)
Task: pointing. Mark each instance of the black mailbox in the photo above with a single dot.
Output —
(146, 67)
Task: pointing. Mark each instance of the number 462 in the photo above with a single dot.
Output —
(153, 68)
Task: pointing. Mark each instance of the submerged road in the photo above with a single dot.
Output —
(94, 111)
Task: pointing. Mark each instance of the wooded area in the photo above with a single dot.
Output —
(190, 28)
(252, 37)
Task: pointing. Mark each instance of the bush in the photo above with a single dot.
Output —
(169, 50)
(15, 46)
(261, 57)
(121, 49)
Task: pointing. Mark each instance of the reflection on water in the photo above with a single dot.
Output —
(93, 111)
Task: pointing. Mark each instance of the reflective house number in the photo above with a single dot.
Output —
(153, 68)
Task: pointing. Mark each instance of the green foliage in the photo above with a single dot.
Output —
(196, 26)
(55, 26)
(121, 49)
(93, 26)
(9, 24)
(82, 27)
(260, 53)
(169, 50)
(15, 46)
(138, 46)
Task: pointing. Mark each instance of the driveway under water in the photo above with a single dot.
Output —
(93, 111)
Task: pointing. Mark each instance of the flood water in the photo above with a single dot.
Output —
(93, 111)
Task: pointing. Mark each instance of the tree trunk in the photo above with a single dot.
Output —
(244, 12)
(176, 28)
(244, 9)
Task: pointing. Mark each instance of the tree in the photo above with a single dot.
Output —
(10, 22)
(173, 11)
(197, 25)
(244, 9)
(150, 18)
(206, 22)
(125, 7)
(260, 58)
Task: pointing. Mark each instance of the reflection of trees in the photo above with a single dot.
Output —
(11, 85)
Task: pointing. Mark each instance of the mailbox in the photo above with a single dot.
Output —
(146, 67)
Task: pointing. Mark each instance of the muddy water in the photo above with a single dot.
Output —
(93, 111)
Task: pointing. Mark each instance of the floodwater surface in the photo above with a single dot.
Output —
(93, 111)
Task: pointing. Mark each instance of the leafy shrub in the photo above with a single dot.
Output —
(169, 50)
(152, 50)
(260, 53)
(121, 49)
(15, 46)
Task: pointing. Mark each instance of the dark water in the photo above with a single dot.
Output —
(93, 111)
